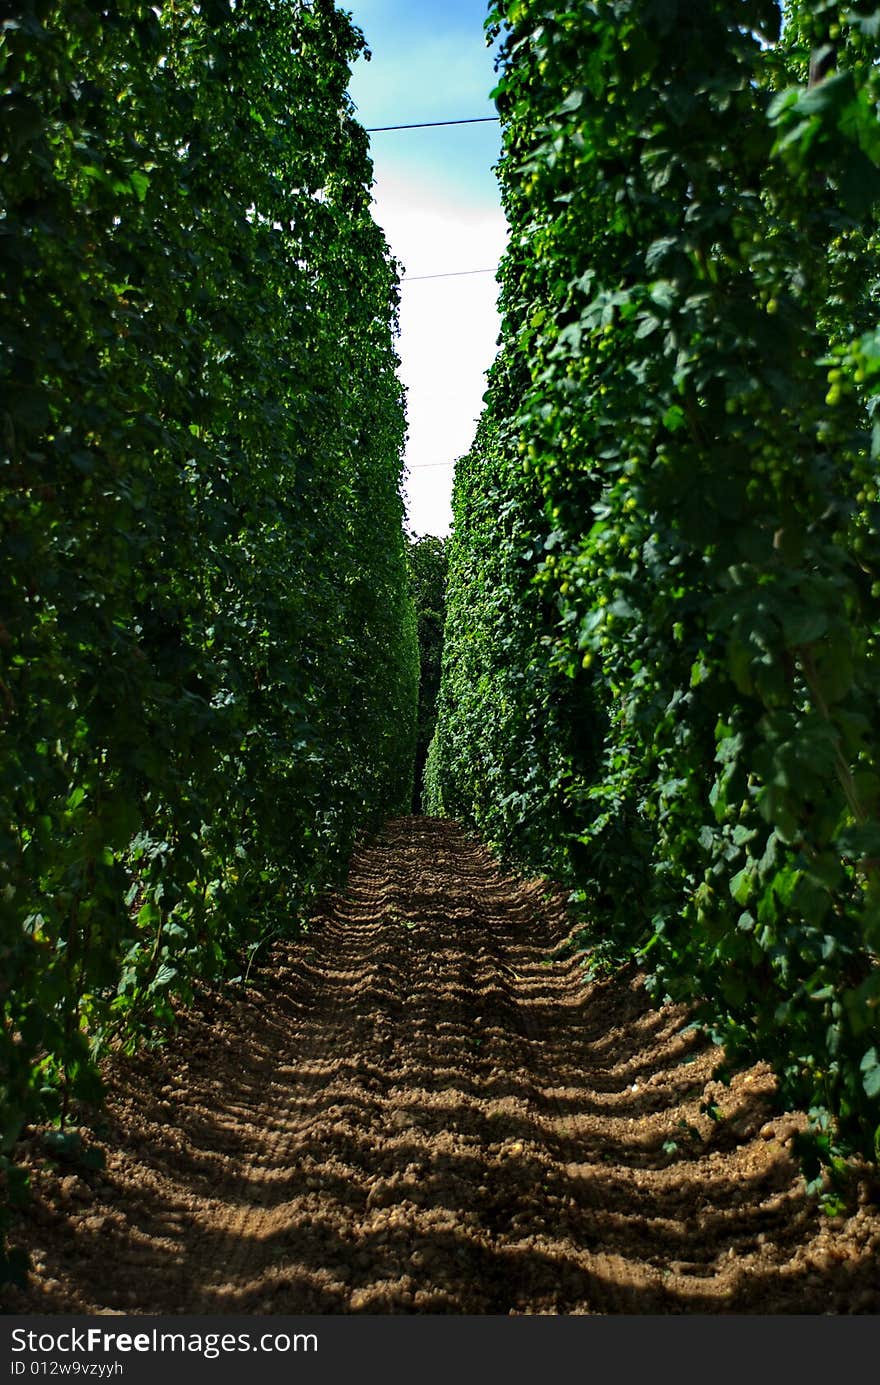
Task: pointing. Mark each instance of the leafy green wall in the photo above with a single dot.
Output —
(427, 565)
(660, 673)
(208, 660)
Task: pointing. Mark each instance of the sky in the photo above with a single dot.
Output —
(436, 198)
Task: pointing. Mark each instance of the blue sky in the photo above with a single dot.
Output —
(437, 200)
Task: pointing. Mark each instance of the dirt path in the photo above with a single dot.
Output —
(416, 1111)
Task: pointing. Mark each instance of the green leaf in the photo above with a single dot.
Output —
(828, 96)
(163, 978)
(741, 885)
(870, 1070)
(140, 182)
(803, 624)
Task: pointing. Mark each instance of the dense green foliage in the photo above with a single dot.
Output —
(661, 670)
(207, 643)
(427, 564)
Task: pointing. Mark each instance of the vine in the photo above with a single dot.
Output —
(208, 661)
(661, 677)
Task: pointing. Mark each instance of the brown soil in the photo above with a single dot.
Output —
(415, 1109)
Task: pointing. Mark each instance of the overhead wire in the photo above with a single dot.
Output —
(432, 124)
(452, 274)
